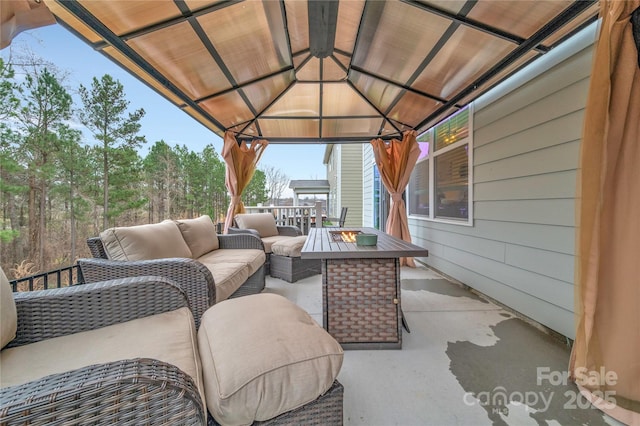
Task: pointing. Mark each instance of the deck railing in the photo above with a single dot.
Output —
(63, 277)
(304, 217)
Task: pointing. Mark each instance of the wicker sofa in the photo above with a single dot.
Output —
(209, 267)
(125, 352)
(282, 245)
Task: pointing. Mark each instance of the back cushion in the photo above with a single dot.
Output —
(8, 315)
(264, 223)
(145, 242)
(199, 234)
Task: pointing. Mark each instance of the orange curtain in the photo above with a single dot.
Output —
(20, 15)
(395, 161)
(605, 360)
(241, 162)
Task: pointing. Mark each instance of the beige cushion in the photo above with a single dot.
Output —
(264, 223)
(253, 258)
(144, 242)
(8, 314)
(290, 247)
(269, 241)
(169, 337)
(199, 234)
(228, 277)
(262, 356)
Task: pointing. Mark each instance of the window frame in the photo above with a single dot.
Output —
(431, 158)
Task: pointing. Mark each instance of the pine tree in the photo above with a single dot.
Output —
(105, 114)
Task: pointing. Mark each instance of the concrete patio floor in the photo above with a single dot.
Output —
(467, 361)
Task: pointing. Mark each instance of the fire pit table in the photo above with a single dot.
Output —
(361, 305)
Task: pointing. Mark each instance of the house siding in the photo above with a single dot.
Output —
(368, 161)
(520, 249)
(351, 183)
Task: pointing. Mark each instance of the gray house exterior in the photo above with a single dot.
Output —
(344, 173)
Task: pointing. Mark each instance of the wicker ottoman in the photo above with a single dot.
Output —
(287, 264)
(264, 359)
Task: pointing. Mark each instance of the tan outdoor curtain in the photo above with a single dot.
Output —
(20, 15)
(241, 162)
(608, 246)
(395, 160)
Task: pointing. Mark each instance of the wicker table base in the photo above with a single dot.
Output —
(361, 302)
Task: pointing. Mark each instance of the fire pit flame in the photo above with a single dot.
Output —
(349, 237)
(344, 236)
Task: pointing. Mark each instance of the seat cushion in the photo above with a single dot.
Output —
(253, 258)
(168, 337)
(199, 234)
(228, 277)
(269, 241)
(264, 223)
(291, 247)
(262, 356)
(8, 315)
(145, 242)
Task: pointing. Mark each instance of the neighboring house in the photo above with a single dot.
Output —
(308, 187)
(493, 196)
(344, 173)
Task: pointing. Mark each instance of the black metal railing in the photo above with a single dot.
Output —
(63, 277)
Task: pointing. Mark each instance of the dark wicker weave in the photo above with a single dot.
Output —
(58, 312)
(360, 312)
(192, 276)
(292, 269)
(127, 392)
(326, 410)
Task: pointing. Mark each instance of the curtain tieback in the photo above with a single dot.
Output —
(236, 199)
(396, 196)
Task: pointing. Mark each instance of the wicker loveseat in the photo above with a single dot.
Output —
(208, 267)
(85, 355)
(282, 245)
(126, 352)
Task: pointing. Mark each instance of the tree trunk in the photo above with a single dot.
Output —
(42, 223)
(105, 202)
(33, 220)
(72, 222)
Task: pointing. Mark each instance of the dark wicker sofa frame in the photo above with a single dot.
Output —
(107, 393)
(192, 276)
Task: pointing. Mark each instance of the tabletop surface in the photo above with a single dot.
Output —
(320, 245)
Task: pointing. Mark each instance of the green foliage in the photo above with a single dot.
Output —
(8, 100)
(256, 192)
(105, 114)
(56, 189)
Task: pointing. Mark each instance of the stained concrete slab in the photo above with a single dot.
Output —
(460, 345)
(524, 366)
(440, 286)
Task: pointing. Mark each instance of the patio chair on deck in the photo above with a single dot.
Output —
(341, 219)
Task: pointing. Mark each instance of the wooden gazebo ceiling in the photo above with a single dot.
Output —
(289, 72)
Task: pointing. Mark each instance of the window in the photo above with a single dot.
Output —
(419, 202)
(439, 187)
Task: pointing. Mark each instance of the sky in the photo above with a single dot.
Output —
(162, 120)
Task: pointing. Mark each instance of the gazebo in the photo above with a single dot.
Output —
(305, 72)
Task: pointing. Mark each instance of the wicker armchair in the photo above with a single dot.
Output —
(192, 276)
(282, 231)
(126, 392)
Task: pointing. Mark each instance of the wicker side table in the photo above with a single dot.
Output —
(361, 302)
